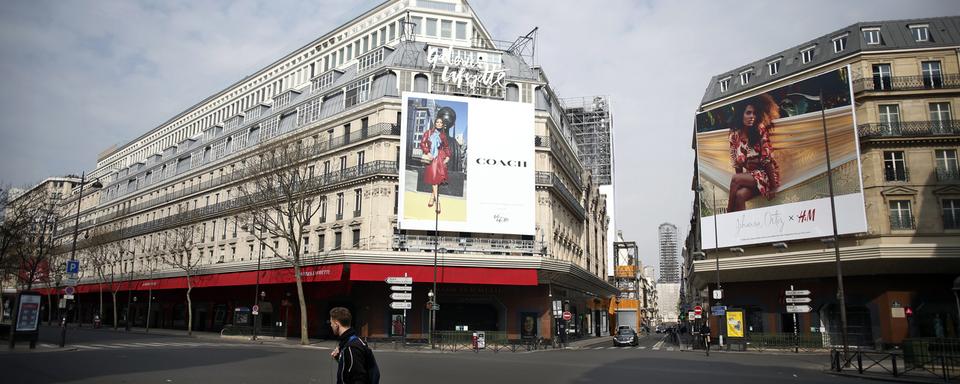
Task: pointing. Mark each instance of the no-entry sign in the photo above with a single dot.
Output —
(698, 310)
(567, 315)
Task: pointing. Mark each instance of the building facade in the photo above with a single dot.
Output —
(905, 79)
(669, 257)
(336, 104)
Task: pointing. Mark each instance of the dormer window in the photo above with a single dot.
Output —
(745, 76)
(920, 32)
(839, 43)
(806, 55)
(724, 84)
(871, 36)
(773, 67)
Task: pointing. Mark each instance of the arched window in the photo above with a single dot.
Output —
(421, 83)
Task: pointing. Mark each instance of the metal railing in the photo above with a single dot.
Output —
(920, 359)
(550, 179)
(765, 341)
(238, 204)
(901, 174)
(906, 83)
(897, 222)
(910, 129)
(495, 341)
(306, 152)
(946, 174)
(450, 244)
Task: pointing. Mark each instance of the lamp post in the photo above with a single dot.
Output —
(73, 247)
(256, 290)
(430, 300)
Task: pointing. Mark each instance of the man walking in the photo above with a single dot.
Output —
(355, 361)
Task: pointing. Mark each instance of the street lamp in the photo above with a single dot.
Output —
(430, 301)
(256, 301)
(73, 248)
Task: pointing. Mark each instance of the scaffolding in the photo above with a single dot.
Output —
(592, 124)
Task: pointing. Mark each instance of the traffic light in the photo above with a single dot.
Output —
(909, 312)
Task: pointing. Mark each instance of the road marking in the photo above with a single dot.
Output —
(658, 345)
(670, 349)
(598, 348)
(85, 347)
(643, 347)
(48, 345)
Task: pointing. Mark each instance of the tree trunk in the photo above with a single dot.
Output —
(114, 309)
(189, 308)
(50, 306)
(304, 337)
(149, 304)
(100, 308)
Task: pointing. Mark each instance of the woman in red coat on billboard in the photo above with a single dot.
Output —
(436, 150)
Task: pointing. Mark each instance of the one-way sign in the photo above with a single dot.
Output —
(798, 300)
(798, 292)
(400, 280)
(798, 308)
(401, 305)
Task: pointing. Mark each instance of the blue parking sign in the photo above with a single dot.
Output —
(73, 266)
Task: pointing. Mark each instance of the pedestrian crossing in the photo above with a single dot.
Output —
(145, 345)
(655, 347)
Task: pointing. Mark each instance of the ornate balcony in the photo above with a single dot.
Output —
(909, 129)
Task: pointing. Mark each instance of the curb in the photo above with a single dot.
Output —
(887, 379)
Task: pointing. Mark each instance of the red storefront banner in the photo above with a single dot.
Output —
(309, 274)
(448, 275)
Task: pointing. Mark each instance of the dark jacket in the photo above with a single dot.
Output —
(356, 363)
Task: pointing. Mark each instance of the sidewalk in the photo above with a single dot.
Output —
(206, 335)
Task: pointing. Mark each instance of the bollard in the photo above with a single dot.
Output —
(859, 362)
(893, 357)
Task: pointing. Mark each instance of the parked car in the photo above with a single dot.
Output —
(626, 336)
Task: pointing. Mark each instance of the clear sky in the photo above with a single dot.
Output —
(79, 76)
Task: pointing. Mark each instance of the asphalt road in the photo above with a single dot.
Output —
(137, 358)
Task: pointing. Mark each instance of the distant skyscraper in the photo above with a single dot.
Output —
(669, 265)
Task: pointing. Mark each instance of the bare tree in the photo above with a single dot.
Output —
(178, 246)
(281, 206)
(101, 255)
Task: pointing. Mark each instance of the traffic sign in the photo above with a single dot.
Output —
(73, 266)
(690, 315)
(401, 288)
(698, 310)
(70, 281)
(400, 280)
(798, 292)
(567, 315)
(68, 297)
(717, 294)
(401, 305)
(798, 308)
(256, 310)
(69, 291)
(401, 296)
(798, 300)
(718, 310)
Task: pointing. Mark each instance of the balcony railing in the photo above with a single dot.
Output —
(947, 174)
(239, 204)
(548, 178)
(906, 83)
(541, 141)
(306, 152)
(909, 129)
(898, 222)
(450, 244)
(896, 174)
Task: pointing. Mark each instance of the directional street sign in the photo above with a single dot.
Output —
(399, 280)
(401, 305)
(798, 308)
(73, 266)
(798, 292)
(718, 310)
(401, 296)
(798, 300)
(406, 288)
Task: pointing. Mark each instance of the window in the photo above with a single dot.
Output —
(881, 77)
(946, 164)
(431, 27)
(337, 240)
(932, 76)
(920, 32)
(724, 84)
(890, 118)
(745, 76)
(461, 30)
(446, 29)
(806, 55)
(940, 117)
(321, 242)
(306, 244)
(357, 201)
(773, 67)
(340, 206)
(417, 23)
(871, 36)
(343, 164)
(361, 159)
(901, 217)
(894, 166)
(323, 209)
(839, 43)
(951, 213)
(356, 238)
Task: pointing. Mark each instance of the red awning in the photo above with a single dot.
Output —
(309, 274)
(450, 275)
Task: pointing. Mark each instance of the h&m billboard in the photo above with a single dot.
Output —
(762, 164)
(467, 163)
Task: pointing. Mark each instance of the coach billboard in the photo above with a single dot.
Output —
(763, 168)
(467, 163)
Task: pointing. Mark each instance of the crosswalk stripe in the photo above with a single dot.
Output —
(598, 348)
(103, 346)
(45, 345)
(85, 347)
(670, 349)
(643, 347)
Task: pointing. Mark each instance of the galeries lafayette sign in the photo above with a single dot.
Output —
(466, 69)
